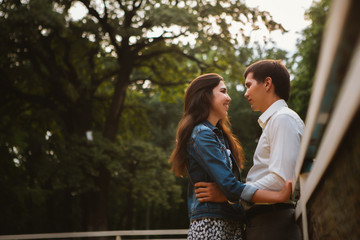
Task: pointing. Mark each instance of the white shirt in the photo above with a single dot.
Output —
(276, 153)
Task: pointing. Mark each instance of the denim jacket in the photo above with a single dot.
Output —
(209, 160)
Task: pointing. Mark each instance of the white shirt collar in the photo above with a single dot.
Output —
(270, 111)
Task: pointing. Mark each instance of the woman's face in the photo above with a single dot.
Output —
(220, 103)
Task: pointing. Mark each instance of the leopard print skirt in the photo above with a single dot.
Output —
(214, 228)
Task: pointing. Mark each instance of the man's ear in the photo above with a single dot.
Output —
(268, 83)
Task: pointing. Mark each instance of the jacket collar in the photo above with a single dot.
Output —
(276, 106)
(209, 125)
(213, 128)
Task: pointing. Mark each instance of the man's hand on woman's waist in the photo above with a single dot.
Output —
(209, 192)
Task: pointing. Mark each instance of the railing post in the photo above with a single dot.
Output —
(118, 237)
(304, 219)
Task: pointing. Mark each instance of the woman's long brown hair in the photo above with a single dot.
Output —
(198, 98)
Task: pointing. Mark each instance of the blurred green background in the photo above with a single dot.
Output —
(89, 107)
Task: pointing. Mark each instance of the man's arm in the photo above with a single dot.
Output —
(283, 135)
(209, 192)
(284, 138)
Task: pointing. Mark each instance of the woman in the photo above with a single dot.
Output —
(207, 151)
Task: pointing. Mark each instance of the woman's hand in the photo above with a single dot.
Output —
(266, 196)
(285, 192)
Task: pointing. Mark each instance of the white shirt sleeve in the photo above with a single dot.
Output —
(285, 136)
(278, 151)
(271, 181)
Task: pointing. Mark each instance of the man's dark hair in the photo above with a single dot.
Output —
(274, 69)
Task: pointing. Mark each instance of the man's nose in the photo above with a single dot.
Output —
(246, 95)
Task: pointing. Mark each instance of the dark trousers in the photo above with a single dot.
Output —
(272, 222)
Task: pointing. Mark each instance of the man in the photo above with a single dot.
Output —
(267, 90)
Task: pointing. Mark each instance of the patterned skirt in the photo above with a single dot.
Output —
(215, 228)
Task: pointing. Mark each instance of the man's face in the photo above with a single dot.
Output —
(255, 93)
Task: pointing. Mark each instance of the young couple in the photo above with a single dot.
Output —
(208, 153)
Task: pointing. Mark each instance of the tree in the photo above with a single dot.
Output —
(67, 77)
(306, 58)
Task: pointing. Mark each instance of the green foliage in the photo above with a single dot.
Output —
(120, 72)
(141, 179)
(145, 166)
(305, 60)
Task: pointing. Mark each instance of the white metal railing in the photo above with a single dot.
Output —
(337, 122)
(117, 234)
(332, 38)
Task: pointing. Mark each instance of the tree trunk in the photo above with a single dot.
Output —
(129, 209)
(95, 204)
(117, 105)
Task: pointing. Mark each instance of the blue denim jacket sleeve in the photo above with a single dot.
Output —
(208, 151)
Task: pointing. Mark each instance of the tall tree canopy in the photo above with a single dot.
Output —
(307, 56)
(65, 79)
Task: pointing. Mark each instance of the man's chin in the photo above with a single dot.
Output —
(255, 109)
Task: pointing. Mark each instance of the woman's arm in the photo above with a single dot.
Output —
(207, 152)
(209, 192)
(266, 196)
